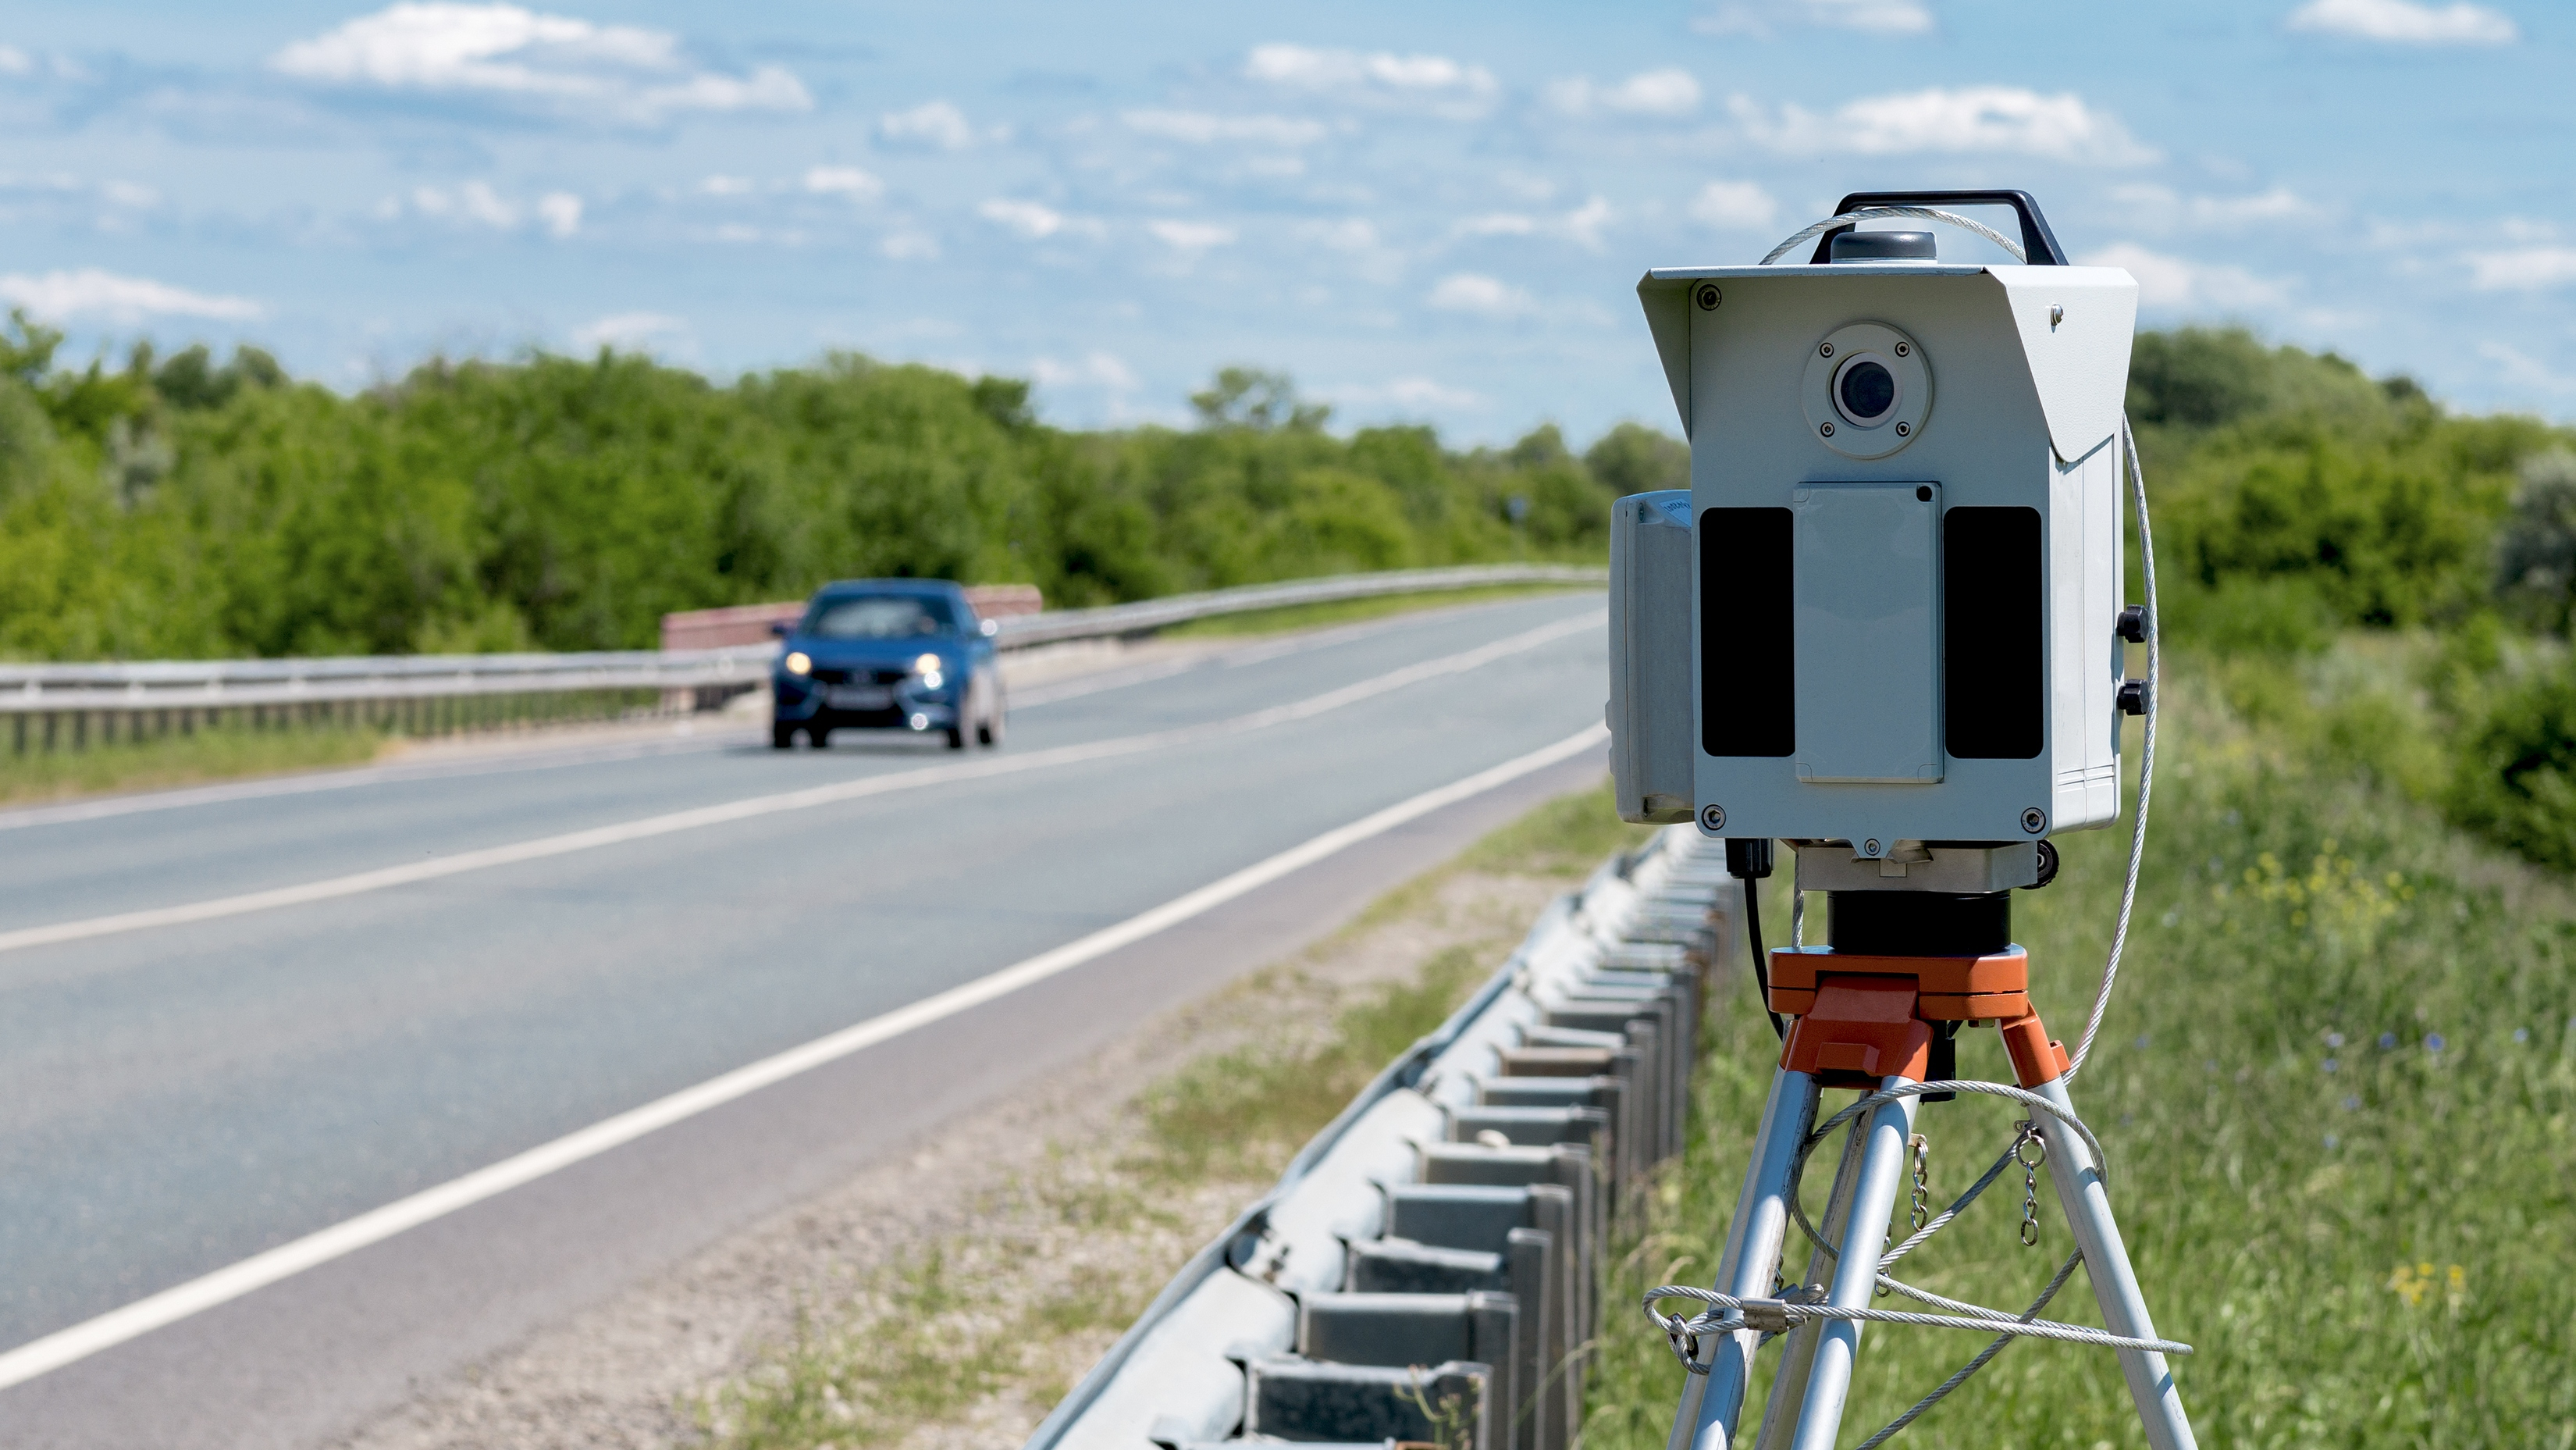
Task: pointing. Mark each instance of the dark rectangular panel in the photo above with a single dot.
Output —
(1747, 652)
(1993, 681)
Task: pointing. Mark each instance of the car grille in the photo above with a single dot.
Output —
(859, 677)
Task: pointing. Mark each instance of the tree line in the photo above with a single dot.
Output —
(185, 507)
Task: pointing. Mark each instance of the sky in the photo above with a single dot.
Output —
(1434, 213)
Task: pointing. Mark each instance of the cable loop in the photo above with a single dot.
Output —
(2146, 754)
(1920, 213)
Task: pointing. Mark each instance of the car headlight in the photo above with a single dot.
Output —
(930, 668)
(798, 663)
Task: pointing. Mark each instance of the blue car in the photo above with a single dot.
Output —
(888, 654)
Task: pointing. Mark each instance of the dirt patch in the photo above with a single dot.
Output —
(950, 1297)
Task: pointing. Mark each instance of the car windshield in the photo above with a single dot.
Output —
(880, 616)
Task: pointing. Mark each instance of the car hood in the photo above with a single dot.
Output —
(872, 653)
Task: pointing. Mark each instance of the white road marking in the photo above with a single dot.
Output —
(438, 868)
(350, 1235)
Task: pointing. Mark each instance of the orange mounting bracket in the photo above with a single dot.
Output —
(1864, 1017)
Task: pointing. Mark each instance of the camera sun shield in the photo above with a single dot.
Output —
(1903, 620)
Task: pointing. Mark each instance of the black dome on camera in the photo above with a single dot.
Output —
(1860, 246)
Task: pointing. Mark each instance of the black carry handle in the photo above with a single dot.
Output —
(2036, 239)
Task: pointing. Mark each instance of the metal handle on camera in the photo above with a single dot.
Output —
(2038, 243)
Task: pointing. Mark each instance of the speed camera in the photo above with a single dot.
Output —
(1888, 609)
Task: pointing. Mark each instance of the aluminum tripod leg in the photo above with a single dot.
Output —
(2115, 1283)
(1712, 1402)
(1882, 1169)
(1798, 1347)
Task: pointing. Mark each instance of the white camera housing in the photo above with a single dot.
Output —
(1904, 585)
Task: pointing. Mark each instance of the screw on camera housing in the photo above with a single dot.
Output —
(1826, 429)
(2034, 820)
(1904, 430)
(1708, 296)
(1824, 349)
(1869, 847)
(1713, 817)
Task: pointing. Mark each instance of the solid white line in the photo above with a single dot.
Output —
(226, 1284)
(412, 873)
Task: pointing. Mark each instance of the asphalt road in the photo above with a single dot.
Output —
(179, 1094)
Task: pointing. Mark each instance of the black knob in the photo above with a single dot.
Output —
(2133, 624)
(1747, 859)
(2047, 866)
(2133, 697)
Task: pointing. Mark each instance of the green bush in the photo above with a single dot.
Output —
(2515, 774)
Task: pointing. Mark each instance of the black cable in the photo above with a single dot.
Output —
(1761, 960)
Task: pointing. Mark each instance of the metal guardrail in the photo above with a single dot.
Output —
(1021, 631)
(1442, 1239)
(204, 685)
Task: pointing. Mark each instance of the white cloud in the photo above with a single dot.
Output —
(630, 332)
(1669, 92)
(2173, 282)
(2161, 205)
(933, 123)
(721, 185)
(1428, 394)
(1350, 234)
(15, 62)
(90, 291)
(475, 202)
(1035, 220)
(561, 213)
(1585, 222)
(1435, 80)
(1472, 292)
(127, 193)
(1191, 236)
(2528, 270)
(909, 246)
(2401, 22)
(1765, 17)
(1200, 128)
(611, 71)
(1029, 218)
(2525, 371)
(847, 181)
(2004, 119)
(1094, 370)
(1583, 225)
(1736, 206)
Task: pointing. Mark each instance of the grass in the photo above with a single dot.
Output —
(230, 748)
(921, 1343)
(2337, 1088)
(229, 752)
(1351, 611)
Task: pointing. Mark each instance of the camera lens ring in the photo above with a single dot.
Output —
(1887, 406)
(1866, 391)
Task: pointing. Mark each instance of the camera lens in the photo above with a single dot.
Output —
(1868, 390)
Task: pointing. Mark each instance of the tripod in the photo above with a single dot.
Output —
(1878, 1010)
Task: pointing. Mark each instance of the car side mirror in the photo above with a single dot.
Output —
(778, 627)
(991, 628)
